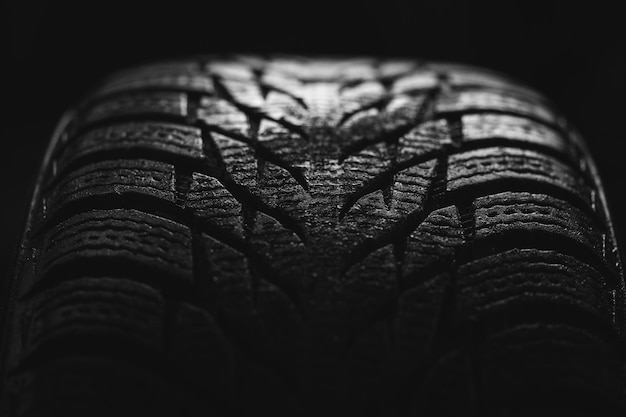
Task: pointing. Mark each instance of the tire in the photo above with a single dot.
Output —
(297, 236)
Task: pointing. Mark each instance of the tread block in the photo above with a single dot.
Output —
(395, 68)
(129, 236)
(209, 200)
(428, 136)
(493, 284)
(239, 160)
(321, 70)
(507, 166)
(281, 140)
(285, 106)
(372, 124)
(131, 138)
(373, 168)
(380, 213)
(260, 313)
(414, 82)
(280, 190)
(410, 187)
(282, 247)
(434, 241)
(363, 95)
(357, 228)
(167, 104)
(464, 78)
(245, 92)
(218, 112)
(478, 127)
(485, 101)
(467, 77)
(282, 83)
(232, 70)
(228, 268)
(535, 213)
(107, 311)
(364, 166)
(112, 179)
(187, 77)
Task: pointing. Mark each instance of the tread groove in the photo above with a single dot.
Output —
(516, 240)
(253, 112)
(424, 114)
(246, 198)
(263, 154)
(383, 179)
(404, 227)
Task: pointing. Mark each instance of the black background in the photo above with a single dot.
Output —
(572, 51)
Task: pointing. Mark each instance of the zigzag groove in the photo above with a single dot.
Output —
(241, 193)
(245, 196)
(224, 93)
(376, 104)
(167, 210)
(393, 136)
(264, 153)
(401, 229)
(383, 179)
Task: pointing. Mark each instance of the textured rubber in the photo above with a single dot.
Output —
(294, 236)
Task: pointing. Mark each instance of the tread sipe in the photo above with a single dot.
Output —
(315, 237)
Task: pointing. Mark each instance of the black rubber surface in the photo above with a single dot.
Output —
(302, 236)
